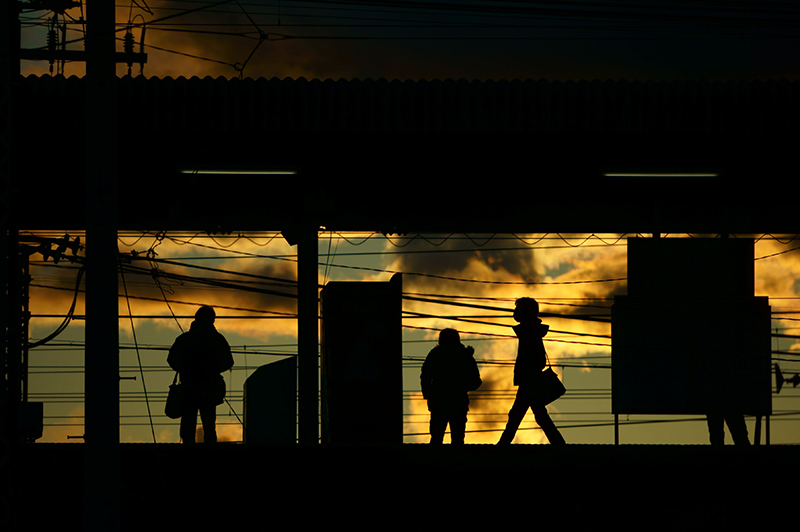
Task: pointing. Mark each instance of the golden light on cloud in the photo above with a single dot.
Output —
(553, 271)
(64, 428)
(469, 284)
(569, 275)
(251, 281)
(226, 433)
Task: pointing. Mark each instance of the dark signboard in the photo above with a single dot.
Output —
(690, 337)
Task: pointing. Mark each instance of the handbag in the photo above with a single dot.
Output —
(174, 407)
(550, 386)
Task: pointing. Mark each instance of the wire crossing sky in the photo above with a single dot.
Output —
(467, 282)
(463, 281)
(415, 40)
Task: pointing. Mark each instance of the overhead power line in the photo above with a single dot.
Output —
(190, 303)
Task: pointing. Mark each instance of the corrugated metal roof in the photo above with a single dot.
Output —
(440, 106)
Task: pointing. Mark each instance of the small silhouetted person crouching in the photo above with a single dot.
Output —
(200, 356)
(448, 374)
(531, 360)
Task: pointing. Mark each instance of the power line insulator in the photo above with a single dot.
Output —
(52, 41)
(128, 43)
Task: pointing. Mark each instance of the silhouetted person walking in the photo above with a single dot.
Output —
(531, 360)
(448, 374)
(200, 356)
(716, 428)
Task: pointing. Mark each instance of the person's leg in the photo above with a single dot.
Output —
(208, 415)
(188, 422)
(515, 415)
(738, 429)
(438, 425)
(716, 429)
(547, 425)
(458, 427)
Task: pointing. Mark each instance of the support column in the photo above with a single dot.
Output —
(101, 459)
(9, 74)
(308, 336)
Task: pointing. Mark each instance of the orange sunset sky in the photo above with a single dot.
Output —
(568, 274)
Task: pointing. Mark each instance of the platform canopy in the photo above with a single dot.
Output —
(440, 155)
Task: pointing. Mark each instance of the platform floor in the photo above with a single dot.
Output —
(642, 487)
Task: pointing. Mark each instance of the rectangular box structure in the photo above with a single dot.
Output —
(677, 357)
(362, 381)
(690, 337)
(270, 404)
(705, 268)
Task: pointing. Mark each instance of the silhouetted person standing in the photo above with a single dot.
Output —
(531, 360)
(448, 374)
(200, 356)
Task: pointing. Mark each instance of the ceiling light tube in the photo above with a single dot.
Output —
(238, 171)
(660, 174)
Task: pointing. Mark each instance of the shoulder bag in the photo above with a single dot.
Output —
(174, 407)
(550, 386)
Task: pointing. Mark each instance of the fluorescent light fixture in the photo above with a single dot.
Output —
(238, 171)
(660, 174)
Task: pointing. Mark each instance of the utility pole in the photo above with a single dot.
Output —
(101, 459)
(56, 52)
(9, 74)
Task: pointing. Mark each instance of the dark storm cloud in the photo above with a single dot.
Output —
(455, 254)
(267, 293)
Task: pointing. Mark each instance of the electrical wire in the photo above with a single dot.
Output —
(196, 304)
(61, 328)
(457, 298)
(138, 356)
(464, 21)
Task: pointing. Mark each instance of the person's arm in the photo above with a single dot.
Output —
(474, 381)
(423, 381)
(175, 356)
(425, 377)
(226, 359)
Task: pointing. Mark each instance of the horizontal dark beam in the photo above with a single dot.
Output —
(76, 55)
